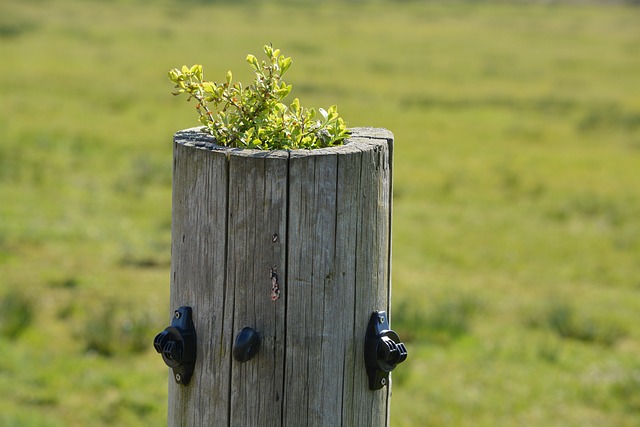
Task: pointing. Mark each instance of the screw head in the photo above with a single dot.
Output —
(178, 377)
(381, 319)
(176, 314)
(383, 381)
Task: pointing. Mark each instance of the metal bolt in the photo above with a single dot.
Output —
(381, 319)
(179, 377)
(177, 314)
(383, 381)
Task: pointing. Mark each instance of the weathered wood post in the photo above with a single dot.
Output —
(297, 246)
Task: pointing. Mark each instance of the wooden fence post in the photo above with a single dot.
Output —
(297, 246)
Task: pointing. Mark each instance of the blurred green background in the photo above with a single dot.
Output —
(516, 268)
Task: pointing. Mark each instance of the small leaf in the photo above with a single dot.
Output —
(196, 70)
(295, 105)
(253, 61)
(173, 75)
(286, 63)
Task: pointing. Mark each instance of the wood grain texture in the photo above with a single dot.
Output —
(311, 254)
(198, 279)
(320, 222)
(256, 228)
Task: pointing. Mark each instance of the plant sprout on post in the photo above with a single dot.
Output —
(256, 116)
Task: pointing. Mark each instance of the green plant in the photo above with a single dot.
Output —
(16, 314)
(626, 390)
(445, 320)
(562, 319)
(255, 116)
(110, 331)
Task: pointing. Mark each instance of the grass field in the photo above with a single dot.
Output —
(516, 268)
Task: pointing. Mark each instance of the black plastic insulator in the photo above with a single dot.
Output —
(177, 345)
(383, 350)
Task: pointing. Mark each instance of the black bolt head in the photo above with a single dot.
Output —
(247, 345)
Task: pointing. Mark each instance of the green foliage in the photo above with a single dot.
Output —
(255, 116)
(450, 318)
(109, 331)
(562, 319)
(16, 313)
(626, 391)
(442, 322)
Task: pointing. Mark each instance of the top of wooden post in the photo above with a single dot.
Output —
(360, 137)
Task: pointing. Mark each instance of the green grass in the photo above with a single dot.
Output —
(517, 196)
